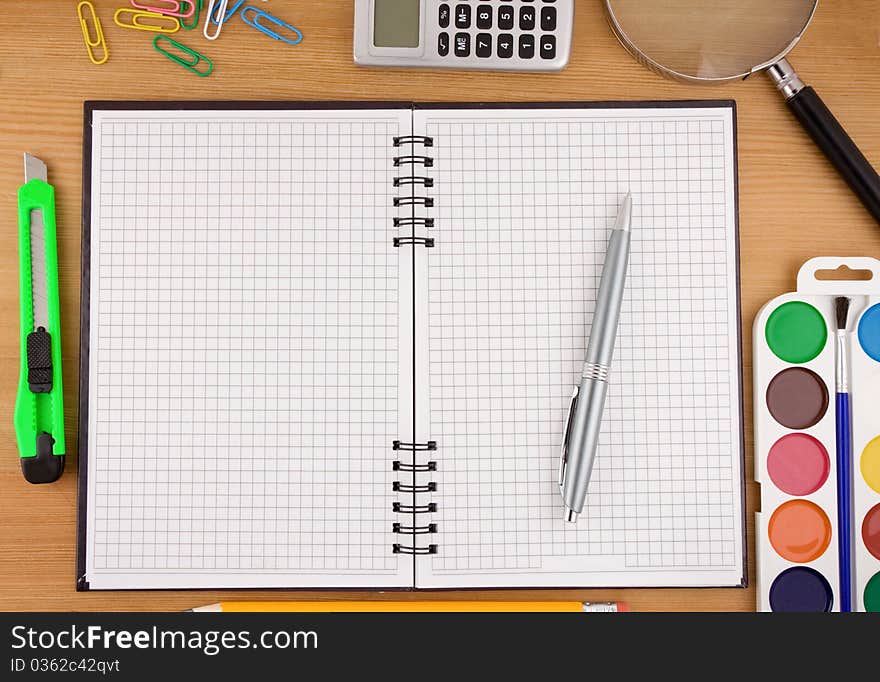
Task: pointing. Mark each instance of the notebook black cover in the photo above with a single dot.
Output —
(91, 106)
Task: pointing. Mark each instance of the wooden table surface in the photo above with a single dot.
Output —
(792, 206)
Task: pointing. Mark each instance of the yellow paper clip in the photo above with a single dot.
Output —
(146, 21)
(98, 40)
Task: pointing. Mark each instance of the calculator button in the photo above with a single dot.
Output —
(462, 16)
(548, 18)
(443, 18)
(484, 16)
(443, 44)
(505, 18)
(548, 47)
(462, 44)
(483, 45)
(526, 18)
(505, 45)
(526, 46)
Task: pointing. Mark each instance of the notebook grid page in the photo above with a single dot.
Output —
(524, 208)
(244, 364)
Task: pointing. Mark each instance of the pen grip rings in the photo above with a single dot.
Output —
(595, 371)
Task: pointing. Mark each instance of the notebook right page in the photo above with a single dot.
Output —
(524, 203)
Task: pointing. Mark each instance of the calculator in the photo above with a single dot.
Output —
(513, 35)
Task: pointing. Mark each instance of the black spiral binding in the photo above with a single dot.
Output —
(413, 180)
(409, 549)
(424, 241)
(412, 160)
(400, 508)
(403, 222)
(421, 468)
(414, 139)
(414, 529)
(414, 447)
(413, 488)
(399, 487)
(427, 202)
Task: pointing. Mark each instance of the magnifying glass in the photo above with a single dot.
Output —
(709, 41)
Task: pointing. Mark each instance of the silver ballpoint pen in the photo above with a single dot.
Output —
(584, 420)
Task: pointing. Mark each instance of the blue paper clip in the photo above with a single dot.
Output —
(255, 22)
(229, 12)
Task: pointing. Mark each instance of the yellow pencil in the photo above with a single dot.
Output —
(342, 606)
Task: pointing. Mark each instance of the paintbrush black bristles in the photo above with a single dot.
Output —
(841, 310)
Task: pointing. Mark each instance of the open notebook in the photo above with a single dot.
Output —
(332, 345)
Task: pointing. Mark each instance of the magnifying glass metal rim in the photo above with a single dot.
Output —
(659, 68)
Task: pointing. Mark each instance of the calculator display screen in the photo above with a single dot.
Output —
(396, 23)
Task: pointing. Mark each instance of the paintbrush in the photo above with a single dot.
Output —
(844, 454)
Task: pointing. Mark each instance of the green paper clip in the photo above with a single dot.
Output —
(195, 16)
(186, 63)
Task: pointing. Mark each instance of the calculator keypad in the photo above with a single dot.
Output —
(520, 29)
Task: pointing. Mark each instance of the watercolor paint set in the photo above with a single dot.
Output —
(817, 441)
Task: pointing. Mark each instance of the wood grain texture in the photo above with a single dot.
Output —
(792, 207)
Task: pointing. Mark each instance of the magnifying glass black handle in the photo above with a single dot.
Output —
(830, 136)
(832, 139)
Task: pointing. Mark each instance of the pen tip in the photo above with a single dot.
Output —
(624, 214)
(571, 516)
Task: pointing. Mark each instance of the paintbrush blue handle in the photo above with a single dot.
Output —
(844, 500)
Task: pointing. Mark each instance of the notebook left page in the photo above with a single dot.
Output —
(248, 367)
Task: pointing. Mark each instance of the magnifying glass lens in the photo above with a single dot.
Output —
(711, 39)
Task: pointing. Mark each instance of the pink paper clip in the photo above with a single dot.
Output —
(171, 8)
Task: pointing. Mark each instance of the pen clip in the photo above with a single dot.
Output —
(563, 450)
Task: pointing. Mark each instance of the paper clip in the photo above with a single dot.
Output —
(255, 22)
(159, 23)
(190, 64)
(98, 40)
(221, 12)
(172, 8)
(197, 9)
(229, 13)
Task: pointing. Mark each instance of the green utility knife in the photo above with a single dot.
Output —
(39, 404)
